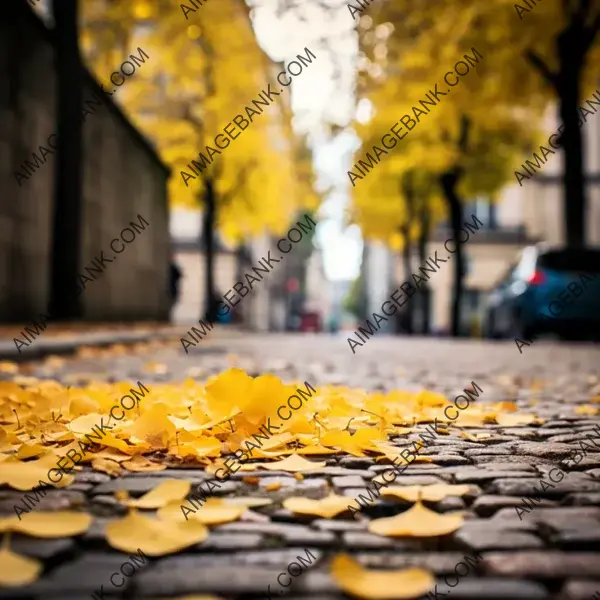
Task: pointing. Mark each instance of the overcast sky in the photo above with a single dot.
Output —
(323, 92)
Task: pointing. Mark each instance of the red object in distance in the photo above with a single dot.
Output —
(293, 285)
(537, 278)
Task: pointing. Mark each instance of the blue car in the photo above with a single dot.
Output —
(549, 290)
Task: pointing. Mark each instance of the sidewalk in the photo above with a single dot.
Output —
(66, 339)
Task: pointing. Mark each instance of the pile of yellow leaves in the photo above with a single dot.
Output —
(197, 424)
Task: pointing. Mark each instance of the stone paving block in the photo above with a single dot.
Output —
(338, 472)
(508, 466)
(572, 483)
(476, 588)
(189, 474)
(354, 462)
(476, 475)
(448, 459)
(584, 499)
(485, 538)
(363, 540)
(185, 574)
(97, 567)
(46, 550)
(581, 589)
(89, 476)
(57, 499)
(544, 565)
(563, 514)
(133, 485)
(231, 541)
(488, 505)
(577, 539)
(339, 526)
(350, 481)
(440, 563)
(530, 461)
(242, 573)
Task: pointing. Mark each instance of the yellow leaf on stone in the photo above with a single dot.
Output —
(140, 464)
(213, 512)
(170, 490)
(17, 570)
(30, 450)
(430, 493)
(373, 584)
(316, 449)
(110, 467)
(293, 464)
(586, 409)
(25, 476)
(417, 521)
(273, 487)
(515, 419)
(327, 508)
(156, 537)
(48, 524)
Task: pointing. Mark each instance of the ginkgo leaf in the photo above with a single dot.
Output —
(170, 490)
(17, 570)
(417, 521)
(515, 419)
(430, 493)
(316, 449)
(213, 512)
(327, 508)
(157, 537)
(48, 524)
(104, 465)
(26, 475)
(273, 486)
(140, 464)
(293, 464)
(372, 584)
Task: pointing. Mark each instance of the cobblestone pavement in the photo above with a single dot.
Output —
(553, 551)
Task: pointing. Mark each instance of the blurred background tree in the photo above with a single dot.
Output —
(202, 72)
(469, 146)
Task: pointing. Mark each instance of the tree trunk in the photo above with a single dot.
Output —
(424, 292)
(209, 218)
(65, 293)
(574, 192)
(406, 262)
(449, 180)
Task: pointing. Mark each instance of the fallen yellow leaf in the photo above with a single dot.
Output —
(359, 582)
(417, 521)
(156, 537)
(293, 464)
(17, 570)
(515, 419)
(430, 493)
(170, 490)
(327, 508)
(213, 512)
(48, 524)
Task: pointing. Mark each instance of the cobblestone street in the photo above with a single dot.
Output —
(550, 551)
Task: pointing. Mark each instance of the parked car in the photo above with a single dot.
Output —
(549, 290)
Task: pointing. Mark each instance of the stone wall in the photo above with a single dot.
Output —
(123, 177)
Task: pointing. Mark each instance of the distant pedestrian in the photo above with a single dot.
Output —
(174, 277)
